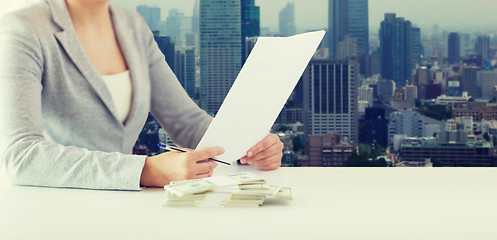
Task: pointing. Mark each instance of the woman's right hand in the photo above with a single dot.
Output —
(161, 169)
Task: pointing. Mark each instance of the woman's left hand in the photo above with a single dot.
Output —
(265, 155)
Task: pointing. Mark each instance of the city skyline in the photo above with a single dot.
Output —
(313, 14)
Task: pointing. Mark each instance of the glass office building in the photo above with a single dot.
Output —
(251, 23)
(220, 50)
(396, 49)
(348, 18)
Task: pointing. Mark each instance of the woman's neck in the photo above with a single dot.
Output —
(89, 13)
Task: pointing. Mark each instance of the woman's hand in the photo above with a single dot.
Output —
(265, 155)
(161, 169)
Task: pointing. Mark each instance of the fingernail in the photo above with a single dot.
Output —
(250, 154)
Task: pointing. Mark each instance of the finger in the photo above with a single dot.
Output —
(269, 167)
(205, 167)
(265, 143)
(207, 153)
(274, 150)
(204, 175)
(266, 161)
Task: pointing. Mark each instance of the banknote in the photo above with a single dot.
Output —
(204, 184)
(233, 190)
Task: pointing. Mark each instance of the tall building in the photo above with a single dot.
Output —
(337, 25)
(411, 92)
(186, 69)
(173, 23)
(358, 24)
(287, 20)
(330, 99)
(168, 48)
(487, 82)
(468, 81)
(465, 44)
(249, 45)
(347, 48)
(482, 46)
(196, 18)
(251, 23)
(405, 122)
(423, 76)
(366, 94)
(386, 90)
(375, 127)
(348, 18)
(416, 47)
(151, 16)
(396, 49)
(220, 50)
(454, 48)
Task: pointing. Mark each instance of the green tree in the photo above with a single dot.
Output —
(357, 160)
(486, 136)
(381, 162)
(439, 112)
(282, 128)
(436, 162)
(297, 143)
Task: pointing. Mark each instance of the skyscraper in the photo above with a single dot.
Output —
(396, 49)
(358, 24)
(287, 20)
(195, 18)
(348, 18)
(187, 68)
(468, 81)
(337, 25)
(173, 23)
(487, 80)
(416, 47)
(220, 50)
(167, 47)
(151, 16)
(482, 46)
(251, 23)
(330, 94)
(454, 48)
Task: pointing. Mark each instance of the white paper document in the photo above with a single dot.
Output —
(258, 94)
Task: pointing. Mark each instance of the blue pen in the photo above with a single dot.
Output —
(164, 146)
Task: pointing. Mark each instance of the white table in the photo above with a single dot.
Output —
(329, 203)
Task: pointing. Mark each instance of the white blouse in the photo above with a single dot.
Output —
(121, 90)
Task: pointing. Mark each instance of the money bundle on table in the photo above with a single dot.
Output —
(234, 190)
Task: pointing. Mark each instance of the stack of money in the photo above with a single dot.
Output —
(234, 190)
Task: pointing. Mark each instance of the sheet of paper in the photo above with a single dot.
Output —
(260, 91)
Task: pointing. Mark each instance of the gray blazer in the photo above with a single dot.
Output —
(58, 123)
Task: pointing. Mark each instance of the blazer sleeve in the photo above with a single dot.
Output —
(26, 156)
(182, 119)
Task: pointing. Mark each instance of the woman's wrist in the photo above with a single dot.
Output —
(147, 177)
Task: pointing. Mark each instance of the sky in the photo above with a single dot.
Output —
(451, 15)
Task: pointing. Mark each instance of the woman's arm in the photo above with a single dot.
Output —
(25, 154)
(186, 122)
(183, 120)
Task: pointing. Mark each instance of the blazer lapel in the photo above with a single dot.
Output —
(72, 46)
(125, 34)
